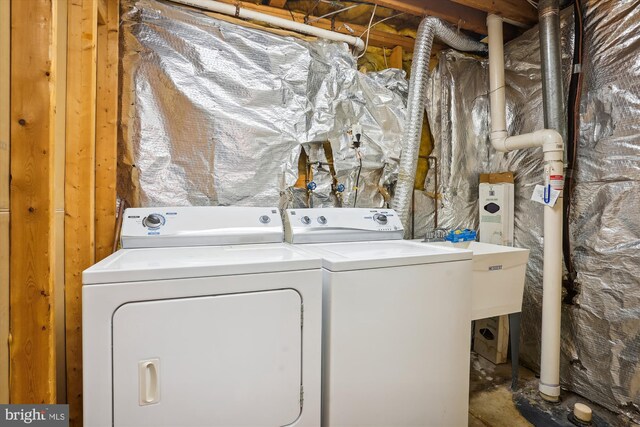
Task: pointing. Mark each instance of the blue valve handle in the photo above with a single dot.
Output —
(340, 188)
(311, 186)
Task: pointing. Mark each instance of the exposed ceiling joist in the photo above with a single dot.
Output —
(376, 38)
(464, 17)
(519, 11)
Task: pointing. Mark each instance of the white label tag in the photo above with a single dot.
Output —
(548, 197)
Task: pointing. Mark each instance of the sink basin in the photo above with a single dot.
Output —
(498, 278)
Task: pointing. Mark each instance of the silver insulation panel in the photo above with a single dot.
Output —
(601, 332)
(213, 113)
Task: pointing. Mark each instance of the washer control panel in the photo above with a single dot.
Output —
(200, 226)
(323, 225)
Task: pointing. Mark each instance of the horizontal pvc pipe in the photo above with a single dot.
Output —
(239, 12)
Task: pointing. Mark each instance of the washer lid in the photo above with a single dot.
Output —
(377, 254)
(134, 265)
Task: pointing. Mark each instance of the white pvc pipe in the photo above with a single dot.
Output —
(496, 79)
(552, 147)
(549, 386)
(299, 27)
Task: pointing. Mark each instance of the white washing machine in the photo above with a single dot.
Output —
(205, 318)
(396, 318)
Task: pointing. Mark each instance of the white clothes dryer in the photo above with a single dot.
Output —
(204, 318)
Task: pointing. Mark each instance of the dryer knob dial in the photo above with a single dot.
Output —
(305, 220)
(380, 218)
(265, 219)
(153, 221)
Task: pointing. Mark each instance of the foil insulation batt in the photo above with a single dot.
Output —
(601, 329)
(213, 113)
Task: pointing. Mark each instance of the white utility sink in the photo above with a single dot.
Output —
(498, 278)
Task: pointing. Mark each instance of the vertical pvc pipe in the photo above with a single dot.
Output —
(496, 78)
(552, 286)
(551, 142)
(554, 118)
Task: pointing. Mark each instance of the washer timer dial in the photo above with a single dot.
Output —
(380, 218)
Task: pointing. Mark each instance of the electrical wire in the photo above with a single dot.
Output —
(387, 18)
(335, 12)
(533, 3)
(368, 31)
(355, 199)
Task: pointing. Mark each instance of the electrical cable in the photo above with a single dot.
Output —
(355, 199)
(368, 31)
(311, 21)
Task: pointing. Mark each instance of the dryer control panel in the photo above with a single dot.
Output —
(200, 226)
(326, 225)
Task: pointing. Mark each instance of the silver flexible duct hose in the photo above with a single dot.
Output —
(430, 27)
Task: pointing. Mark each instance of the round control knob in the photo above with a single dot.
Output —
(322, 220)
(380, 218)
(153, 221)
(305, 220)
(265, 219)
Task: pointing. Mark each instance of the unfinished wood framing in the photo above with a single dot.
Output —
(61, 96)
(518, 11)
(107, 130)
(277, 3)
(462, 16)
(33, 110)
(79, 182)
(395, 61)
(5, 63)
(376, 38)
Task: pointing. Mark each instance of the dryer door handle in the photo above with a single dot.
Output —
(149, 381)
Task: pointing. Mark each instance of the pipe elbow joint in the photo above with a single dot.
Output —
(499, 141)
(551, 140)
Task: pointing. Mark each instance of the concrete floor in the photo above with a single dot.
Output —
(491, 401)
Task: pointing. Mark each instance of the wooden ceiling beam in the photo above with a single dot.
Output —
(464, 17)
(377, 38)
(519, 11)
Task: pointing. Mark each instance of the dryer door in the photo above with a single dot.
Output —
(229, 360)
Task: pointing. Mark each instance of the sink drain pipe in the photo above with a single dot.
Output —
(553, 148)
(429, 29)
